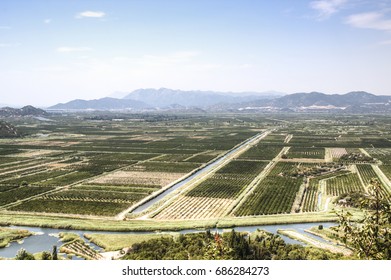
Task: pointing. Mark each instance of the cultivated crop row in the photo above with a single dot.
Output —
(221, 186)
(367, 173)
(261, 152)
(90, 195)
(242, 167)
(343, 184)
(306, 152)
(229, 181)
(275, 194)
(386, 170)
(72, 207)
(310, 201)
(382, 154)
(188, 207)
(14, 195)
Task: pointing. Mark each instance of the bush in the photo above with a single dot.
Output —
(24, 255)
(46, 255)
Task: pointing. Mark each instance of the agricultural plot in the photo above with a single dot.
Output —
(202, 158)
(229, 181)
(367, 174)
(221, 186)
(382, 154)
(310, 200)
(311, 195)
(276, 138)
(95, 195)
(172, 158)
(343, 184)
(169, 167)
(190, 207)
(273, 195)
(136, 178)
(211, 197)
(306, 152)
(95, 208)
(386, 169)
(336, 153)
(16, 194)
(261, 152)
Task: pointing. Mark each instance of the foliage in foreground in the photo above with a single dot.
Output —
(370, 237)
(259, 246)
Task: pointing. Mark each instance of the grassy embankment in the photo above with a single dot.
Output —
(8, 235)
(153, 225)
(114, 242)
(315, 243)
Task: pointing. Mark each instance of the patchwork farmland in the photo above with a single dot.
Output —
(101, 168)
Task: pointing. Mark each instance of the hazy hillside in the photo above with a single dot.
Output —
(25, 111)
(178, 100)
(164, 97)
(106, 103)
(349, 102)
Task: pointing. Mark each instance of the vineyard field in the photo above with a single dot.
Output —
(97, 208)
(274, 194)
(229, 181)
(261, 152)
(305, 152)
(343, 184)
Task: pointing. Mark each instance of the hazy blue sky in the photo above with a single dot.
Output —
(55, 51)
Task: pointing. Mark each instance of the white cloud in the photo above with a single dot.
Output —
(326, 8)
(47, 20)
(371, 20)
(91, 14)
(73, 49)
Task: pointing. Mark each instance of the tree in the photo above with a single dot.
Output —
(371, 236)
(24, 255)
(54, 253)
(46, 255)
(24, 184)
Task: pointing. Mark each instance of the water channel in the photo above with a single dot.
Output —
(45, 238)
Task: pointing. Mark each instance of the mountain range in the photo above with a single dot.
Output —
(163, 98)
(107, 103)
(168, 99)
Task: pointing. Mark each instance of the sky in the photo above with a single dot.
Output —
(57, 51)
